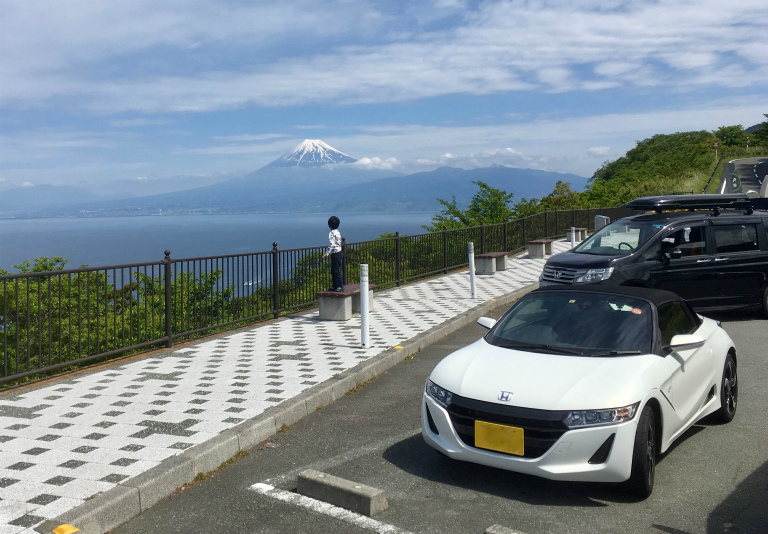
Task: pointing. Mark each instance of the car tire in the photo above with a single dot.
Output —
(765, 302)
(729, 391)
(641, 480)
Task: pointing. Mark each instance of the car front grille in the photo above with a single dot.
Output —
(560, 275)
(542, 428)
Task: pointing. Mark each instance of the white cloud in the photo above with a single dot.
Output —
(245, 138)
(132, 123)
(27, 184)
(598, 151)
(378, 163)
(301, 52)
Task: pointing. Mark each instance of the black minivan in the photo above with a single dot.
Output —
(710, 249)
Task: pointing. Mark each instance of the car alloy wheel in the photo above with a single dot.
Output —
(644, 455)
(729, 391)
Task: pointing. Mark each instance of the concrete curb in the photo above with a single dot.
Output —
(343, 493)
(114, 507)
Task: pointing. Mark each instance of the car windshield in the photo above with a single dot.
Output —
(580, 323)
(620, 238)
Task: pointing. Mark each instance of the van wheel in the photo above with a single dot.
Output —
(641, 480)
(765, 301)
(729, 391)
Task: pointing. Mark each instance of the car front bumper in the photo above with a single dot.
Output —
(567, 459)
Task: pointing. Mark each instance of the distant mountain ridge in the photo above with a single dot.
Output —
(313, 177)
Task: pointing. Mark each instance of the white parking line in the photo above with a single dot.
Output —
(347, 456)
(326, 509)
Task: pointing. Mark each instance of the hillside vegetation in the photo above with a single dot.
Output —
(666, 163)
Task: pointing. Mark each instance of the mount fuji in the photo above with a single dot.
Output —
(311, 153)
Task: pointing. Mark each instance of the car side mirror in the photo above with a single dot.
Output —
(669, 255)
(685, 342)
(486, 322)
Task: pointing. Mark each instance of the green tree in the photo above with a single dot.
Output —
(761, 133)
(562, 197)
(732, 135)
(488, 206)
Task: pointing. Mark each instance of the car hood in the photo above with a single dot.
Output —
(548, 381)
(577, 260)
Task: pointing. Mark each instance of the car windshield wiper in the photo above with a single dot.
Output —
(539, 347)
(616, 353)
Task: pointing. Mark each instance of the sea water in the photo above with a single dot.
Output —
(105, 241)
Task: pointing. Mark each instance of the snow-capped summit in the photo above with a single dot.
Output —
(311, 153)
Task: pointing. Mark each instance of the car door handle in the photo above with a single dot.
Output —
(707, 260)
(722, 259)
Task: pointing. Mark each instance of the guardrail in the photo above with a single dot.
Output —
(58, 319)
(727, 169)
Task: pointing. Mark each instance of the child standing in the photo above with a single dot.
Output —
(334, 251)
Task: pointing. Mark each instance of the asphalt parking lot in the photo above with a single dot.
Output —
(713, 480)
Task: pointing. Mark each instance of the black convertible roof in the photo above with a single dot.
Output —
(657, 297)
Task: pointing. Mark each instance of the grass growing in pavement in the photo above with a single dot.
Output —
(361, 385)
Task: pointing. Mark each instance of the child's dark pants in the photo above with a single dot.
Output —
(336, 258)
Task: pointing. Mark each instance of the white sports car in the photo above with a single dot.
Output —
(582, 383)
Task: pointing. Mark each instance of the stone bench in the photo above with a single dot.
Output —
(490, 262)
(340, 306)
(580, 234)
(538, 248)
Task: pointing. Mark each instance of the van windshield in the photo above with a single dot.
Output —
(619, 238)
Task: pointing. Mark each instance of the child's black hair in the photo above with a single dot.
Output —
(333, 223)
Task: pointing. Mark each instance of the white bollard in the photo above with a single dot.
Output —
(472, 269)
(573, 237)
(364, 330)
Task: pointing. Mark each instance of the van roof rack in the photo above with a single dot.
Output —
(694, 202)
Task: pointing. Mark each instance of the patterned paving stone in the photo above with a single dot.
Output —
(99, 430)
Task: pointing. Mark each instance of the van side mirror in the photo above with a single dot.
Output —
(668, 255)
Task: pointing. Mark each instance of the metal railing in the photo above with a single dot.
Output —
(54, 320)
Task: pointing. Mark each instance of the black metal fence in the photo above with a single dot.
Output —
(57, 319)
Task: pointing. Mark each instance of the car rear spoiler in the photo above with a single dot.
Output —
(698, 202)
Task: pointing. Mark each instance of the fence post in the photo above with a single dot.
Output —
(482, 238)
(506, 247)
(397, 258)
(557, 224)
(344, 261)
(587, 219)
(525, 241)
(168, 321)
(275, 280)
(445, 251)
(364, 307)
(471, 254)
(546, 225)
(573, 216)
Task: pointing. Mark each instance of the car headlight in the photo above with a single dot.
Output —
(594, 275)
(587, 418)
(442, 396)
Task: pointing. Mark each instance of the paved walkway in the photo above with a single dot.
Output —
(62, 444)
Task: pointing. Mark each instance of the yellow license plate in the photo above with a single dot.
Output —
(499, 438)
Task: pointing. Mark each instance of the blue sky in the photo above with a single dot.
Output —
(195, 91)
